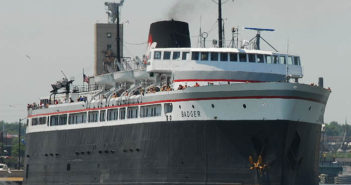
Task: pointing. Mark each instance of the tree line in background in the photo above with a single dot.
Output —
(9, 143)
(335, 129)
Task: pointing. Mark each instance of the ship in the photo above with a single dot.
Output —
(181, 115)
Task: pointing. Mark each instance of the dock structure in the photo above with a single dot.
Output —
(11, 177)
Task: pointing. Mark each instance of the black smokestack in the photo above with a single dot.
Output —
(170, 34)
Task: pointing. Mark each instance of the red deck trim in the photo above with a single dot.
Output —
(215, 80)
(178, 100)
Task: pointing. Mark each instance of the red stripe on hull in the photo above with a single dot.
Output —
(179, 100)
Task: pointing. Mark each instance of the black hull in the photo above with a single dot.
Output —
(187, 153)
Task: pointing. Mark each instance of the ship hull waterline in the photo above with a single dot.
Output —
(177, 152)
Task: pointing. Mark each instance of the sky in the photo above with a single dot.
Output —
(41, 38)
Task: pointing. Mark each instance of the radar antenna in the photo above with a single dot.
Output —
(258, 37)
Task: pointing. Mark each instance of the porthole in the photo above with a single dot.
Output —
(68, 168)
(193, 106)
(213, 106)
(180, 107)
(244, 106)
(138, 150)
(310, 108)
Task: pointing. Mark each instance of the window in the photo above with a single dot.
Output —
(77, 118)
(242, 57)
(234, 57)
(214, 56)
(109, 46)
(297, 61)
(168, 108)
(157, 55)
(290, 60)
(42, 121)
(204, 56)
(282, 60)
(269, 59)
(93, 116)
(166, 55)
(185, 55)
(132, 112)
(63, 119)
(176, 55)
(122, 113)
(102, 115)
(150, 111)
(54, 120)
(224, 57)
(109, 35)
(195, 56)
(252, 58)
(35, 121)
(275, 59)
(260, 59)
(112, 114)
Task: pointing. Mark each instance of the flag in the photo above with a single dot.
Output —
(85, 78)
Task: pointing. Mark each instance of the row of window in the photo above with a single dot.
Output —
(102, 116)
(228, 57)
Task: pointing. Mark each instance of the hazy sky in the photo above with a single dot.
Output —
(39, 38)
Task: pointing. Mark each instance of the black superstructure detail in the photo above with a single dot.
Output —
(170, 34)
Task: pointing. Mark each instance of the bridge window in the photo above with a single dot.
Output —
(242, 57)
(102, 115)
(269, 59)
(176, 55)
(290, 60)
(93, 116)
(112, 114)
(132, 112)
(185, 55)
(35, 121)
(195, 56)
(282, 60)
(234, 57)
(275, 59)
(224, 57)
(166, 55)
(157, 55)
(122, 113)
(204, 56)
(297, 61)
(77, 118)
(260, 59)
(150, 111)
(252, 58)
(214, 56)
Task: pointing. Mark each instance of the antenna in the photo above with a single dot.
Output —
(64, 74)
(258, 37)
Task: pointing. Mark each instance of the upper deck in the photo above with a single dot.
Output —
(224, 63)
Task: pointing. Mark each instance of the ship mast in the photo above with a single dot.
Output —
(220, 24)
(114, 17)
